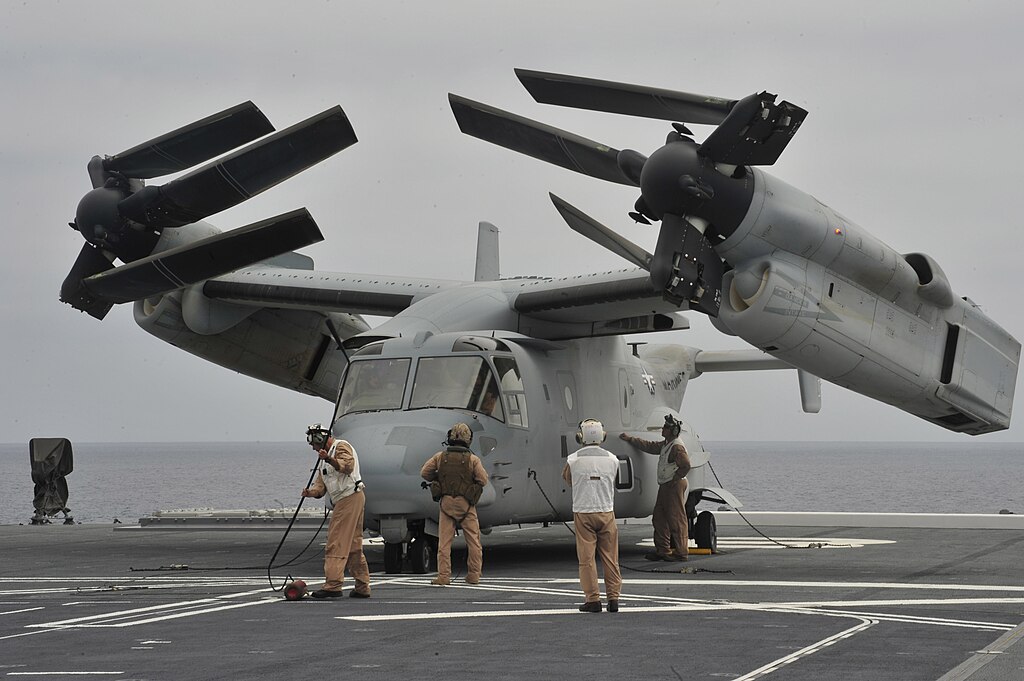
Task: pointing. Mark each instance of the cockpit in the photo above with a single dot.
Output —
(478, 373)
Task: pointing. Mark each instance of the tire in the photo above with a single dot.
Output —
(705, 533)
(393, 557)
(422, 555)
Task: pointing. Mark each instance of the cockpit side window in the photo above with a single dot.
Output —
(373, 385)
(512, 387)
(456, 383)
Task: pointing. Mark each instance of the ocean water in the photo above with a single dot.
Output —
(126, 480)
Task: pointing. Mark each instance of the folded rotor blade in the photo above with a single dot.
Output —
(582, 223)
(540, 141)
(624, 98)
(210, 257)
(90, 261)
(192, 144)
(243, 174)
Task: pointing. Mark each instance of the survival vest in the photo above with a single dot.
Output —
(455, 475)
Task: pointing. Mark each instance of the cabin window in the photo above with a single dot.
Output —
(373, 385)
(511, 382)
(456, 383)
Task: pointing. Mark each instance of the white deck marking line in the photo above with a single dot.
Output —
(888, 617)
(901, 602)
(190, 613)
(805, 652)
(60, 673)
(12, 612)
(77, 621)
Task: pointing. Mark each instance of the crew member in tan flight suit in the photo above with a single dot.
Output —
(459, 478)
(592, 471)
(339, 478)
(671, 531)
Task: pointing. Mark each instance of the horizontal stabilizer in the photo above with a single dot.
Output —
(210, 257)
(582, 223)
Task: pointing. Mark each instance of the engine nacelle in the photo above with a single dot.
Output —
(289, 348)
(817, 291)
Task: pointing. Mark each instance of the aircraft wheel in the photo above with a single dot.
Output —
(392, 557)
(705, 533)
(422, 554)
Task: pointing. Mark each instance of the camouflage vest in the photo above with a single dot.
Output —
(455, 475)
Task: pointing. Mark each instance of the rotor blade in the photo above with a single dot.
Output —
(624, 98)
(206, 258)
(192, 144)
(243, 174)
(538, 140)
(90, 261)
(582, 223)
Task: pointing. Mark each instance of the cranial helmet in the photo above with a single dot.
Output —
(460, 434)
(674, 424)
(590, 432)
(317, 435)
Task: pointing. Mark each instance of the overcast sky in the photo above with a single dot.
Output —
(913, 133)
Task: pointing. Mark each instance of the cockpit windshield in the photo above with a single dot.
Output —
(456, 383)
(373, 385)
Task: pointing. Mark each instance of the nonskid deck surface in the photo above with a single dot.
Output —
(851, 603)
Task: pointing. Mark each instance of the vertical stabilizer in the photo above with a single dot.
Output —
(487, 253)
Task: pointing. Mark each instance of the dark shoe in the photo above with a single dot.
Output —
(472, 579)
(654, 556)
(440, 581)
(324, 593)
(613, 606)
(357, 594)
(673, 557)
(591, 607)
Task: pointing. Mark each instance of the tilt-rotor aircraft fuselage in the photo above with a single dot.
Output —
(523, 361)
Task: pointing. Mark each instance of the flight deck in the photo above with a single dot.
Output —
(785, 602)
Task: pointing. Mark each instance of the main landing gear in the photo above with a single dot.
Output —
(421, 552)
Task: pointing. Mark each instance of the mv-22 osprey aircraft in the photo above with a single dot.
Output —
(523, 360)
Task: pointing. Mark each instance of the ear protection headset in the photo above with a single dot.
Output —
(459, 434)
(674, 424)
(590, 432)
(317, 435)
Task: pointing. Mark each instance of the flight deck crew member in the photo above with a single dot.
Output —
(461, 478)
(592, 471)
(671, 531)
(339, 478)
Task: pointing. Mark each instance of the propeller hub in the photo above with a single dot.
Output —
(659, 180)
(677, 180)
(101, 223)
(97, 216)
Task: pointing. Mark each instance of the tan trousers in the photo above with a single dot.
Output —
(345, 545)
(670, 528)
(598, 530)
(457, 510)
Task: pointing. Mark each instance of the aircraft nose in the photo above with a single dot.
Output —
(390, 458)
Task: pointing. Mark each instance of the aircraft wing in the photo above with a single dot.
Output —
(306, 289)
(610, 303)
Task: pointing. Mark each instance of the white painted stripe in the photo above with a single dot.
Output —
(12, 612)
(901, 602)
(58, 673)
(190, 613)
(80, 621)
(805, 652)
